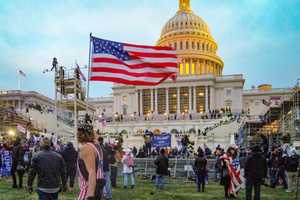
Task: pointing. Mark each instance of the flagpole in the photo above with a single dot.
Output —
(19, 80)
(88, 81)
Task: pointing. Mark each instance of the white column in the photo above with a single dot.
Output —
(167, 100)
(178, 100)
(156, 108)
(151, 93)
(206, 99)
(141, 102)
(190, 100)
(195, 95)
(212, 98)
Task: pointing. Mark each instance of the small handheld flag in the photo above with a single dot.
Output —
(21, 73)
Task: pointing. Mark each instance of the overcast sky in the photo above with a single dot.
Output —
(258, 38)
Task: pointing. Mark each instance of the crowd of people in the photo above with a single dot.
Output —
(56, 165)
(151, 116)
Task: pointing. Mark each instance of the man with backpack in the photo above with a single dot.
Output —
(162, 169)
(200, 170)
(291, 164)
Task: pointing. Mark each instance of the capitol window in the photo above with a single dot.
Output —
(187, 45)
(181, 45)
(187, 68)
(228, 92)
(181, 69)
(193, 68)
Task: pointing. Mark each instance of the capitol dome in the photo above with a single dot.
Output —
(190, 36)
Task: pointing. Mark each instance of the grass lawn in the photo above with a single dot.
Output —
(176, 190)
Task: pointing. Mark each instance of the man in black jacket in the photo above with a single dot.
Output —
(162, 165)
(255, 172)
(292, 163)
(17, 164)
(50, 168)
(200, 170)
(70, 155)
(107, 191)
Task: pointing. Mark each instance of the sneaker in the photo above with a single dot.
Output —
(132, 187)
(288, 191)
(125, 187)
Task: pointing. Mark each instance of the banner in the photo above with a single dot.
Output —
(163, 140)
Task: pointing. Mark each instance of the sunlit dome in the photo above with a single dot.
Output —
(190, 36)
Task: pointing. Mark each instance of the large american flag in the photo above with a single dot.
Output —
(131, 64)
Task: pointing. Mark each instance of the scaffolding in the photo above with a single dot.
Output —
(70, 93)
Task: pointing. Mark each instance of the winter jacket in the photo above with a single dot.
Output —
(50, 168)
(255, 167)
(162, 165)
(70, 156)
(200, 166)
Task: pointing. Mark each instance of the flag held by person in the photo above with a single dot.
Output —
(80, 72)
(20, 72)
(131, 64)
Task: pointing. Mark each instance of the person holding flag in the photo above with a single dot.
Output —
(20, 75)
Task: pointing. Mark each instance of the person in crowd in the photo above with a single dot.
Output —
(207, 150)
(49, 166)
(134, 151)
(230, 178)
(200, 170)
(6, 161)
(141, 153)
(162, 169)
(292, 163)
(255, 172)
(27, 157)
(218, 164)
(236, 160)
(148, 144)
(107, 192)
(70, 156)
(281, 173)
(184, 142)
(128, 170)
(117, 158)
(273, 166)
(90, 164)
(17, 164)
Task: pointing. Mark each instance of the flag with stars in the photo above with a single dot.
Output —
(131, 64)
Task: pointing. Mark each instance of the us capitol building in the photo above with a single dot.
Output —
(181, 106)
(200, 86)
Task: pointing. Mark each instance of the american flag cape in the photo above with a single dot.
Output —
(237, 181)
(131, 64)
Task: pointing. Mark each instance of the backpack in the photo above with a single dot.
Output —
(292, 163)
(200, 165)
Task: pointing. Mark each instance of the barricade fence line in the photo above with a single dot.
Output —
(179, 168)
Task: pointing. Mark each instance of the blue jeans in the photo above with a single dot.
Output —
(107, 188)
(131, 175)
(159, 181)
(47, 196)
